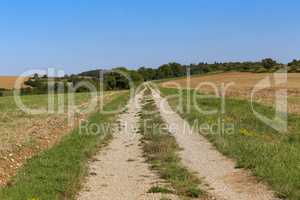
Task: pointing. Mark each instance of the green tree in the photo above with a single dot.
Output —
(177, 69)
(136, 77)
(35, 76)
(147, 73)
(268, 63)
(294, 66)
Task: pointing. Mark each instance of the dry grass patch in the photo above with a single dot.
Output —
(243, 85)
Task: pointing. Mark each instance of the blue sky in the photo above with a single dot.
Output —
(76, 35)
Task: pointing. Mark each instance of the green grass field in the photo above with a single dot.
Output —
(7, 103)
(273, 157)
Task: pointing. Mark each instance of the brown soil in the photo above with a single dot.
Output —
(8, 82)
(34, 136)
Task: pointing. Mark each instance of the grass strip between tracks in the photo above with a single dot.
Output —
(161, 150)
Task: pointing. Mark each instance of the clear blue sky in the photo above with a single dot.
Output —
(76, 35)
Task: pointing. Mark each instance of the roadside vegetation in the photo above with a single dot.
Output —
(23, 134)
(161, 151)
(273, 157)
(57, 173)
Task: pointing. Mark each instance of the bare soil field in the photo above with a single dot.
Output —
(242, 86)
(8, 82)
(24, 135)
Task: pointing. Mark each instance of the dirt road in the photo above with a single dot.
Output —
(119, 171)
(226, 182)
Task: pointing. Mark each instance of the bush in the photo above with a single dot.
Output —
(261, 70)
(26, 91)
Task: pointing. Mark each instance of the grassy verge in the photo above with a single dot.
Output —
(273, 157)
(161, 150)
(57, 173)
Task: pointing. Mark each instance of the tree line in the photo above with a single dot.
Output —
(2, 91)
(116, 79)
(173, 70)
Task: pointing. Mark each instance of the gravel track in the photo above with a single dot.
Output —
(119, 171)
(224, 180)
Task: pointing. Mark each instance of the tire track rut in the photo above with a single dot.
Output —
(199, 155)
(119, 171)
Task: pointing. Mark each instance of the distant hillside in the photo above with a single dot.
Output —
(93, 73)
